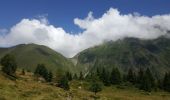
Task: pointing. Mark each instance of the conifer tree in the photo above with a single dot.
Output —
(105, 76)
(69, 76)
(147, 83)
(131, 77)
(9, 65)
(160, 83)
(166, 82)
(115, 77)
(81, 76)
(41, 71)
(75, 76)
(50, 76)
(140, 78)
(150, 76)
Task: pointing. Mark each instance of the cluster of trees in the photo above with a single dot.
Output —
(103, 77)
(107, 77)
(143, 79)
(42, 71)
(62, 79)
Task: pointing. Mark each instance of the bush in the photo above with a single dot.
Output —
(96, 87)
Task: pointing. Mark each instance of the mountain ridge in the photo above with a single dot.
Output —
(29, 55)
(127, 53)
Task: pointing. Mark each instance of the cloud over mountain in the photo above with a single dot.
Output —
(112, 25)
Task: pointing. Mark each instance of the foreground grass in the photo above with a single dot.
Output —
(25, 88)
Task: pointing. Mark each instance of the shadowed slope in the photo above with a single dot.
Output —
(126, 53)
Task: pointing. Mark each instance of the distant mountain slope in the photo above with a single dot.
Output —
(126, 53)
(29, 55)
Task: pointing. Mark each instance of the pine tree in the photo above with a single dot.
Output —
(131, 77)
(160, 83)
(147, 83)
(50, 76)
(9, 65)
(151, 78)
(41, 71)
(81, 76)
(63, 83)
(115, 77)
(75, 77)
(105, 77)
(140, 78)
(69, 76)
(166, 82)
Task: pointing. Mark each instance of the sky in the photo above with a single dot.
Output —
(70, 26)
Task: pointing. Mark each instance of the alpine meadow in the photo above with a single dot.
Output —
(84, 50)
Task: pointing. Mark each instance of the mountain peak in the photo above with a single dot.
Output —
(29, 55)
(127, 53)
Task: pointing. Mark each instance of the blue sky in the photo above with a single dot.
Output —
(72, 28)
(62, 12)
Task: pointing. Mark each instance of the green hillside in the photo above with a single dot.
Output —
(29, 55)
(126, 53)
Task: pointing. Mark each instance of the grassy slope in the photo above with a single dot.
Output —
(28, 56)
(25, 88)
(128, 53)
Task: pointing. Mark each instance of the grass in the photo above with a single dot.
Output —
(30, 55)
(26, 88)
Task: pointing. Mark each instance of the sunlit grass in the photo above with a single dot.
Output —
(26, 88)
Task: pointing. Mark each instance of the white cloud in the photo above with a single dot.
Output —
(43, 18)
(3, 31)
(111, 26)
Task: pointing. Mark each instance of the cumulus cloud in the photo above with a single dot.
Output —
(3, 31)
(112, 25)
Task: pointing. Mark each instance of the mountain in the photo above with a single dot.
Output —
(127, 53)
(29, 55)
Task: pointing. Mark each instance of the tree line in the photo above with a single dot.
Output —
(142, 79)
